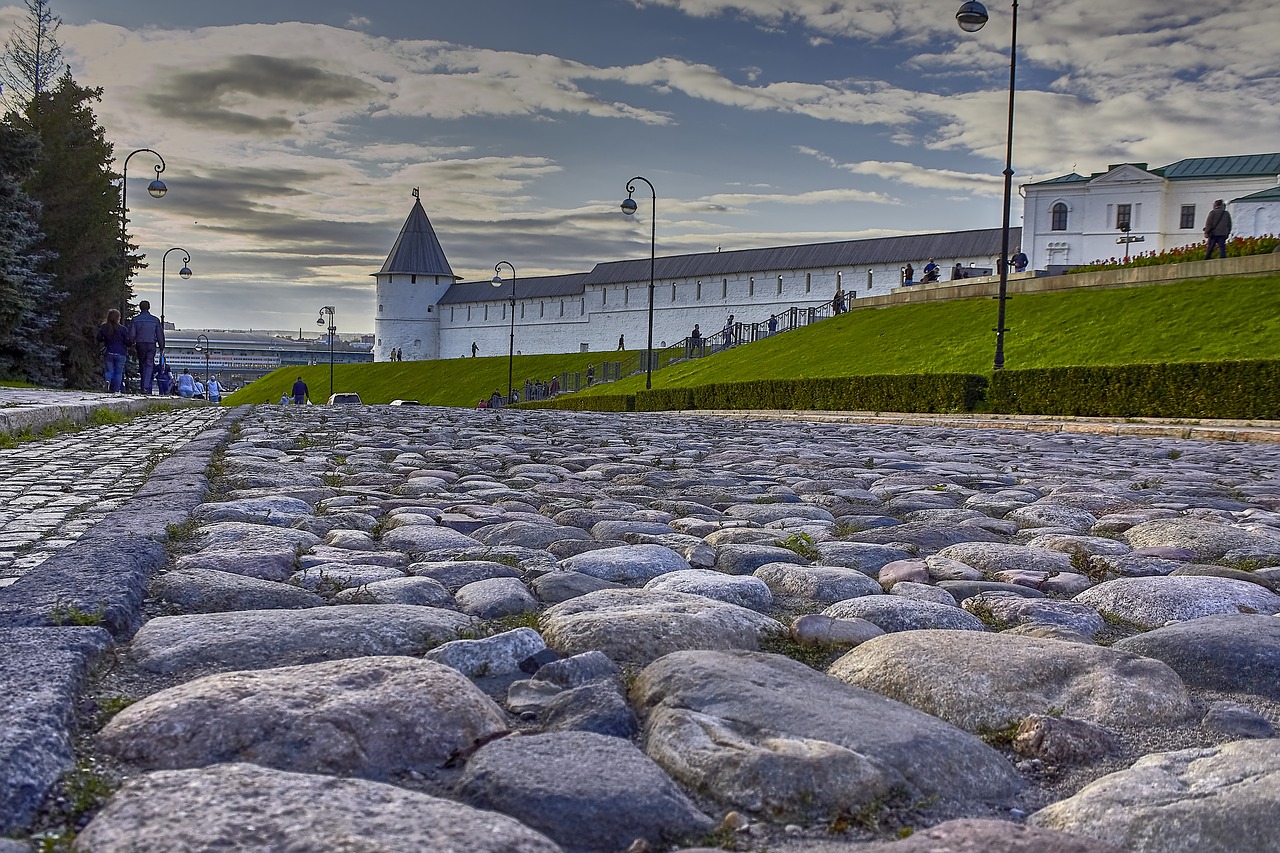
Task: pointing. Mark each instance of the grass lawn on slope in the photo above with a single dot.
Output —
(1200, 320)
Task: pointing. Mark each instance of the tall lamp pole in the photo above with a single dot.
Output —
(629, 207)
(511, 354)
(971, 18)
(202, 345)
(333, 330)
(184, 273)
(156, 189)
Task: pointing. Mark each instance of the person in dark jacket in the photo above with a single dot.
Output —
(300, 392)
(148, 339)
(114, 338)
(1217, 228)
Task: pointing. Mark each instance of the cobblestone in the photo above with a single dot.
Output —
(57, 489)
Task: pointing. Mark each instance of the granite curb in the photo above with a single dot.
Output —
(103, 577)
(40, 416)
(1265, 432)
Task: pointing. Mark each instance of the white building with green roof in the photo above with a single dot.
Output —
(1073, 219)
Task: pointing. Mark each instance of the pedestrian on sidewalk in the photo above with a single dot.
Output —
(186, 384)
(1217, 228)
(115, 350)
(148, 339)
(164, 378)
(301, 394)
(214, 390)
(475, 350)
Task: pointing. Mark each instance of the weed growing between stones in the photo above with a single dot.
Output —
(72, 614)
(1147, 483)
(886, 814)
(801, 543)
(980, 608)
(844, 528)
(1000, 737)
(817, 656)
(1094, 569)
(80, 793)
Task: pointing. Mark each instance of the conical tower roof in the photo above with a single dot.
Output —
(417, 250)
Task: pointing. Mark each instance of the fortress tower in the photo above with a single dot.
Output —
(409, 286)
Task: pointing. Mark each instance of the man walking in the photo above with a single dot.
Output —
(148, 339)
(1217, 228)
(300, 392)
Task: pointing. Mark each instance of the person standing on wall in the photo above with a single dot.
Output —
(1020, 260)
(1217, 228)
(115, 350)
(148, 338)
(908, 274)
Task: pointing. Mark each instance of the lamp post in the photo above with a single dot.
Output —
(156, 189)
(333, 329)
(971, 18)
(629, 207)
(511, 354)
(202, 345)
(185, 273)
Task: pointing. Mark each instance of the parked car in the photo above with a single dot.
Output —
(345, 399)
(405, 403)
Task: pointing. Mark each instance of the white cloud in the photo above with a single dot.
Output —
(358, 22)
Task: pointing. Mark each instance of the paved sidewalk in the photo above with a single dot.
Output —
(55, 490)
(33, 408)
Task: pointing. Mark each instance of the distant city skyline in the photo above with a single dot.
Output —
(294, 133)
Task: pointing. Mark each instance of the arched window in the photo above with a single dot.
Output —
(1059, 217)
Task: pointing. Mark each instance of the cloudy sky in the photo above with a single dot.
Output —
(294, 132)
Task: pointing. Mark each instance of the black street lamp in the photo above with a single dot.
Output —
(511, 354)
(184, 273)
(629, 207)
(971, 18)
(156, 189)
(202, 345)
(333, 329)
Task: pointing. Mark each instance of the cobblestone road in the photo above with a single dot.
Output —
(54, 490)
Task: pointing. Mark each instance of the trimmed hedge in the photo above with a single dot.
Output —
(941, 392)
(594, 403)
(1222, 389)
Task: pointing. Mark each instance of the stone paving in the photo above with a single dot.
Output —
(330, 659)
(55, 490)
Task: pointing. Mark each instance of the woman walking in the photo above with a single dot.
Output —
(114, 338)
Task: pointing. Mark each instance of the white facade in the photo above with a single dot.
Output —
(406, 318)
(1074, 220)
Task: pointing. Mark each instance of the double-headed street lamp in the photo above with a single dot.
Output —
(156, 189)
(511, 354)
(333, 330)
(629, 207)
(971, 18)
(202, 345)
(184, 273)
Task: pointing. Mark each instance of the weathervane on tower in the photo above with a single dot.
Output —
(415, 193)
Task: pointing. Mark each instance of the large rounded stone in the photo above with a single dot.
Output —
(527, 534)
(627, 564)
(866, 557)
(1049, 514)
(992, 557)
(1234, 653)
(1151, 602)
(1221, 799)
(257, 639)
(819, 584)
(767, 734)
(495, 598)
(587, 791)
(422, 540)
(979, 680)
(639, 626)
(897, 613)
(369, 717)
(208, 591)
(742, 590)
(989, 836)
(248, 807)
(1210, 540)
(275, 510)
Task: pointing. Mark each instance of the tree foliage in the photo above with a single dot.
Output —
(26, 287)
(80, 216)
(32, 57)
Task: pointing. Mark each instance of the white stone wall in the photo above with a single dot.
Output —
(595, 319)
(405, 315)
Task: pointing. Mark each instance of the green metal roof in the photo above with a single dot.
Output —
(1243, 166)
(1073, 178)
(1269, 194)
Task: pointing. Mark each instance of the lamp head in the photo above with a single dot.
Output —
(157, 189)
(629, 206)
(185, 272)
(972, 16)
(497, 281)
(320, 320)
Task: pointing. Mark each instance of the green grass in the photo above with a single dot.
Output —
(1214, 319)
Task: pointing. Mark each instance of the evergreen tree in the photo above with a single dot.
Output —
(80, 217)
(32, 57)
(27, 299)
